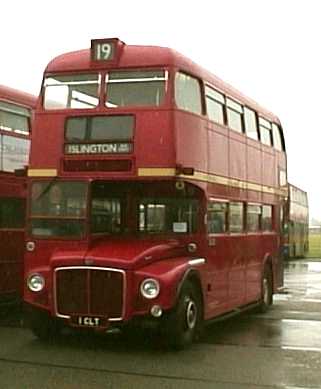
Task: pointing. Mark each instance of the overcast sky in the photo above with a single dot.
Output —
(268, 49)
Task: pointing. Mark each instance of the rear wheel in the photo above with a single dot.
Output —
(184, 322)
(266, 290)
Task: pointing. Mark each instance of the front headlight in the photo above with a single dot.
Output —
(149, 288)
(36, 282)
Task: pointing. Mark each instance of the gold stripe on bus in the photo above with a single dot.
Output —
(255, 187)
(212, 178)
(42, 172)
(156, 171)
(234, 183)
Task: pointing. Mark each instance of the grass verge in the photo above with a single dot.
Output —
(314, 246)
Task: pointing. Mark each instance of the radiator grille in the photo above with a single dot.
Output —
(89, 291)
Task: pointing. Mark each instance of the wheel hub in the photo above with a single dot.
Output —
(191, 314)
(266, 291)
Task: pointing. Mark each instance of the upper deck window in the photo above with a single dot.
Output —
(265, 131)
(79, 91)
(277, 140)
(250, 123)
(188, 93)
(215, 105)
(14, 118)
(234, 115)
(135, 88)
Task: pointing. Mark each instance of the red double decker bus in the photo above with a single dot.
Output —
(15, 122)
(297, 232)
(156, 195)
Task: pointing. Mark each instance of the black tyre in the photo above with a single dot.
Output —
(43, 326)
(267, 290)
(183, 324)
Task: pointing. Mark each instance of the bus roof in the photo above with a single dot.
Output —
(298, 189)
(151, 56)
(17, 97)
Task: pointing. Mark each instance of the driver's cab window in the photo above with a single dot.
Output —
(106, 215)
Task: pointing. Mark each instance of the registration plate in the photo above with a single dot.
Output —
(89, 321)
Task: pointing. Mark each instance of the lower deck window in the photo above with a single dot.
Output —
(253, 218)
(167, 215)
(58, 208)
(267, 218)
(12, 213)
(131, 208)
(236, 222)
(217, 217)
(57, 228)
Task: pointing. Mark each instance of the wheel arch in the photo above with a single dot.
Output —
(193, 276)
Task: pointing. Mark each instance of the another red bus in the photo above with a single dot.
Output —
(15, 120)
(156, 195)
(298, 223)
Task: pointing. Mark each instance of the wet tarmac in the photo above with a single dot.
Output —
(293, 322)
(279, 349)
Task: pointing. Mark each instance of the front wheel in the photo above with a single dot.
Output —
(184, 322)
(43, 326)
(267, 290)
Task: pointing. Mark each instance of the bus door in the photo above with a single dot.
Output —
(237, 249)
(217, 256)
(256, 246)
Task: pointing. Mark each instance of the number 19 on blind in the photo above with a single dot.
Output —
(103, 51)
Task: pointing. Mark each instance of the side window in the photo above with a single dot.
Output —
(267, 218)
(78, 91)
(139, 87)
(12, 213)
(250, 123)
(253, 217)
(216, 217)
(188, 93)
(214, 105)
(282, 178)
(14, 118)
(236, 217)
(167, 215)
(234, 115)
(265, 131)
(14, 152)
(277, 141)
